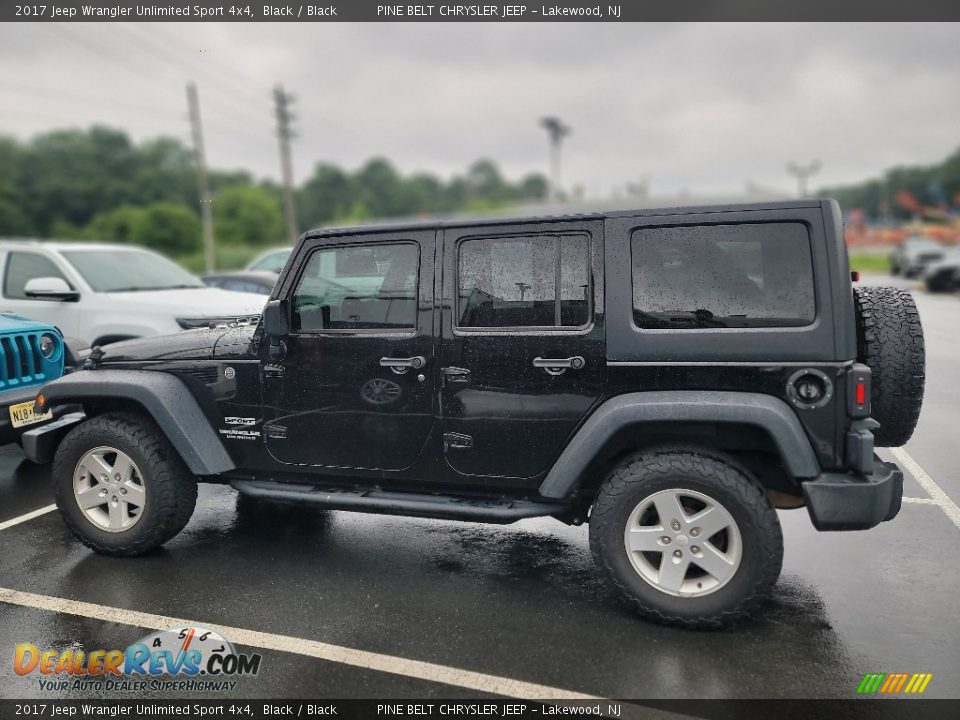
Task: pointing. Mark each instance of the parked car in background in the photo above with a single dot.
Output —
(31, 354)
(260, 282)
(944, 275)
(271, 260)
(103, 293)
(911, 257)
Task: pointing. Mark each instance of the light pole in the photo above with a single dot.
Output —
(556, 131)
(803, 173)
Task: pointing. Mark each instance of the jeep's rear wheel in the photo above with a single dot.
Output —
(890, 343)
(121, 487)
(687, 537)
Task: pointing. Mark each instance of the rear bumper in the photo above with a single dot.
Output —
(855, 501)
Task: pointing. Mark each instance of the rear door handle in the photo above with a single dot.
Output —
(416, 362)
(572, 363)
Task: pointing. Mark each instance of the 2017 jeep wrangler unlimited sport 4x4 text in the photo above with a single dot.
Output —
(671, 377)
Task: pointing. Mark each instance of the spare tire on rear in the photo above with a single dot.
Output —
(890, 343)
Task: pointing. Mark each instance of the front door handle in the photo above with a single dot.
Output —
(560, 364)
(416, 362)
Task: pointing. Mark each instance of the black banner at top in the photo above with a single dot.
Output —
(325, 11)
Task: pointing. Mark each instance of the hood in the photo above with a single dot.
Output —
(201, 302)
(14, 323)
(186, 345)
(229, 342)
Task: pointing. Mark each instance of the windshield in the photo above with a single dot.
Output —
(129, 270)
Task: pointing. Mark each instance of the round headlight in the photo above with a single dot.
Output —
(48, 345)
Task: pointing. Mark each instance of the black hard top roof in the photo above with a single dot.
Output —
(481, 220)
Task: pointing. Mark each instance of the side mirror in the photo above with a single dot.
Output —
(50, 288)
(276, 326)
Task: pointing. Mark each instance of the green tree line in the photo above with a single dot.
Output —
(935, 185)
(97, 184)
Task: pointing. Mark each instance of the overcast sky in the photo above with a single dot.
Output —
(700, 107)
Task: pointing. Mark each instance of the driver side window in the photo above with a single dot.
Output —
(358, 287)
(23, 267)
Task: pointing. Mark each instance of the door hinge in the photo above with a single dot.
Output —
(457, 441)
(272, 371)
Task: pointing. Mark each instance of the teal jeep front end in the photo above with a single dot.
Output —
(31, 354)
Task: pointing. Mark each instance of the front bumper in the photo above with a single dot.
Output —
(855, 501)
(8, 433)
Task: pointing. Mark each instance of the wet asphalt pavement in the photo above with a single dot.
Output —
(522, 601)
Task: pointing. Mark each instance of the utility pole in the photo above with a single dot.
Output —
(803, 173)
(556, 131)
(284, 133)
(206, 201)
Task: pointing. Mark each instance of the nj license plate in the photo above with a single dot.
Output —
(22, 414)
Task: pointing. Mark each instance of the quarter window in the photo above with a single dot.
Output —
(524, 281)
(359, 287)
(716, 276)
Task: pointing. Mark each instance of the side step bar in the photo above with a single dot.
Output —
(399, 503)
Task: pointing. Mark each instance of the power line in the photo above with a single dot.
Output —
(141, 42)
(209, 64)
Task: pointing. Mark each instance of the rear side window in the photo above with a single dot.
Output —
(716, 276)
(25, 266)
(524, 282)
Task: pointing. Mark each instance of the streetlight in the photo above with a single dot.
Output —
(803, 173)
(556, 131)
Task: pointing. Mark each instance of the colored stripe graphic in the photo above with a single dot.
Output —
(870, 683)
(894, 683)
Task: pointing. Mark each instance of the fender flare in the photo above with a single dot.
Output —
(164, 397)
(765, 411)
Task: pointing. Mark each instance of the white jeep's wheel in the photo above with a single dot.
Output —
(120, 486)
(687, 537)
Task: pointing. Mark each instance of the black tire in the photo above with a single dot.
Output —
(642, 475)
(890, 343)
(170, 489)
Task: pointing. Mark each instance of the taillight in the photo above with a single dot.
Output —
(858, 391)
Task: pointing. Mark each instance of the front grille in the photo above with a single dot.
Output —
(21, 363)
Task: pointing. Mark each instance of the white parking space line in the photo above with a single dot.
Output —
(936, 493)
(28, 516)
(430, 672)
(920, 501)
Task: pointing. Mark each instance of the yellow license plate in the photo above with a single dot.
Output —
(22, 414)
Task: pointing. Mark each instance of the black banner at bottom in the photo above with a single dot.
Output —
(455, 709)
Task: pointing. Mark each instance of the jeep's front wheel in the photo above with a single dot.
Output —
(687, 537)
(121, 487)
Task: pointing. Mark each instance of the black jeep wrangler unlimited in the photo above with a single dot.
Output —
(670, 376)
